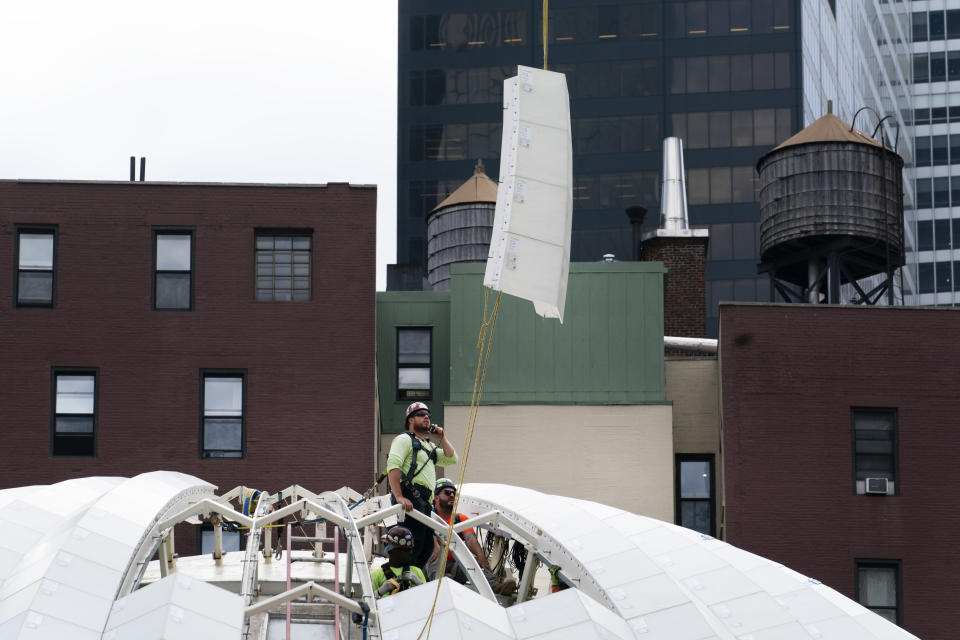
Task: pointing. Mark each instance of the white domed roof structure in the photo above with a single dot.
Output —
(75, 562)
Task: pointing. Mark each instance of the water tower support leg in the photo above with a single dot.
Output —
(833, 265)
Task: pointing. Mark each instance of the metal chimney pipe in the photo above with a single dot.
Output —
(143, 169)
(133, 168)
(673, 188)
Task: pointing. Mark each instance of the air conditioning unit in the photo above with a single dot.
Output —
(876, 485)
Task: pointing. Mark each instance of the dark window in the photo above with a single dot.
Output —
(922, 151)
(698, 186)
(744, 180)
(953, 23)
(764, 127)
(414, 364)
(955, 223)
(597, 80)
(75, 412)
(416, 33)
(742, 77)
(719, 73)
(924, 193)
(283, 266)
(608, 22)
(925, 277)
(762, 17)
(720, 185)
(678, 75)
(953, 67)
(719, 129)
(416, 88)
(173, 269)
(940, 154)
(741, 125)
(781, 63)
(784, 126)
(919, 26)
(936, 25)
(941, 229)
(921, 116)
(434, 86)
(874, 445)
(943, 277)
(639, 77)
(640, 133)
(739, 16)
(781, 15)
(763, 71)
(938, 115)
(938, 66)
(596, 135)
(639, 21)
(697, 75)
(941, 198)
(696, 506)
(718, 18)
(721, 242)
(878, 587)
(697, 131)
(696, 18)
(925, 235)
(744, 243)
(921, 71)
(223, 416)
(36, 266)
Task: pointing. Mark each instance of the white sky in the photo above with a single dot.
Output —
(206, 90)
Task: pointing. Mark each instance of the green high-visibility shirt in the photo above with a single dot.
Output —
(399, 458)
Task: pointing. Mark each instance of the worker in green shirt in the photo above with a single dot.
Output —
(411, 471)
(397, 574)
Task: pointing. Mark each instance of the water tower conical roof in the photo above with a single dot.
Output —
(829, 128)
(478, 188)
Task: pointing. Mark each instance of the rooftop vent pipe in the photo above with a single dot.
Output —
(133, 169)
(673, 188)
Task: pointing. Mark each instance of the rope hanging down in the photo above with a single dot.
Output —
(543, 21)
(484, 346)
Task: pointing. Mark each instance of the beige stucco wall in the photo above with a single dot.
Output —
(617, 455)
(693, 387)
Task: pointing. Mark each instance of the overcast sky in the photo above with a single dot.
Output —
(206, 90)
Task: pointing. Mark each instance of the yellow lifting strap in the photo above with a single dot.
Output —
(484, 346)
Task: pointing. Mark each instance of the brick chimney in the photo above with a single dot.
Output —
(682, 250)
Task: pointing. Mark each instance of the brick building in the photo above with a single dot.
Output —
(213, 329)
(815, 400)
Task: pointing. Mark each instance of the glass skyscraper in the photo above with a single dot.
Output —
(935, 61)
(732, 78)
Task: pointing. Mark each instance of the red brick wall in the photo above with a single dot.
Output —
(310, 365)
(790, 375)
(684, 293)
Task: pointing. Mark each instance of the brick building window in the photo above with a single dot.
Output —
(695, 501)
(75, 412)
(36, 266)
(173, 270)
(283, 265)
(878, 587)
(874, 450)
(223, 419)
(414, 363)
